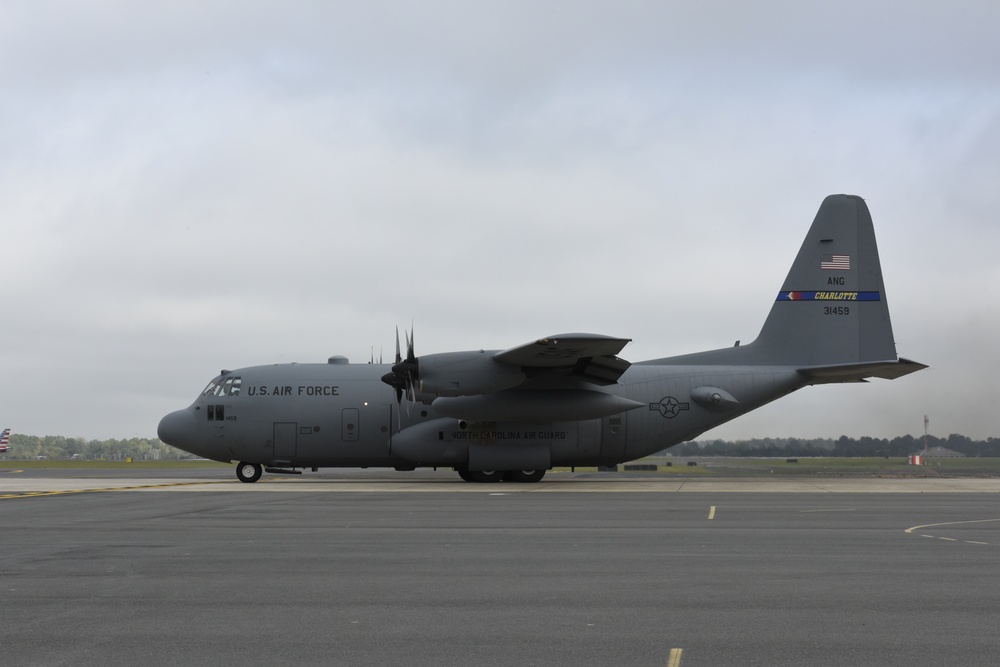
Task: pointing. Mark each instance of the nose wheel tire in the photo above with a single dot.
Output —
(248, 472)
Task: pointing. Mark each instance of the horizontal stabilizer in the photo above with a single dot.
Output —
(887, 370)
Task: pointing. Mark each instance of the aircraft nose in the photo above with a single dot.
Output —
(177, 429)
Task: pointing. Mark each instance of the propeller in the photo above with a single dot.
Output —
(404, 371)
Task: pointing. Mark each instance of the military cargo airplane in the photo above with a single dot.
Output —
(564, 400)
(5, 441)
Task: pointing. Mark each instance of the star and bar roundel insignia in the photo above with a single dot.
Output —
(669, 407)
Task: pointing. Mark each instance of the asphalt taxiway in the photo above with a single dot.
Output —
(376, 567)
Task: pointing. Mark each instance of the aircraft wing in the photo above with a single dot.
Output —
(545, 381)
(591, 356)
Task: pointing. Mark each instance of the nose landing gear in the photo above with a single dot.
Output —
(248, 472)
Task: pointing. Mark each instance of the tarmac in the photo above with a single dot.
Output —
(377, 567)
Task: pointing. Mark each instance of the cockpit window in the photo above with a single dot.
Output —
(231, 387)
(227, 387)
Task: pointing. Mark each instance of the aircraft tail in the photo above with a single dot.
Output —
(831, 318)
(5, 441)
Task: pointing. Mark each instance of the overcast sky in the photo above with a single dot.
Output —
(191, 186)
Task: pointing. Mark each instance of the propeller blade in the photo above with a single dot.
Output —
(409, 345)
(411, 393)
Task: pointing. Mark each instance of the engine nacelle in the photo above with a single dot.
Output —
(536, 406)
(425, 444)
(464, 374)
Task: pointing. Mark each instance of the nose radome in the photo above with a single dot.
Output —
(177, 429)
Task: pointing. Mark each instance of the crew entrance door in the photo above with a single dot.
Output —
(285, 439)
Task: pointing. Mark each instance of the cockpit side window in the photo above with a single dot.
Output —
(228, 387)
(231, 387)
(220, 388)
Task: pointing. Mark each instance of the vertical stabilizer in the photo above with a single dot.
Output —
(832, 307)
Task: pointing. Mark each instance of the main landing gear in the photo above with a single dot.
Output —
(248, 472)
(490, 476)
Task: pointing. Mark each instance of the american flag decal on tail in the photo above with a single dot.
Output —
(835, 262)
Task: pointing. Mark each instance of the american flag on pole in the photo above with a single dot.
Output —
(835, 262)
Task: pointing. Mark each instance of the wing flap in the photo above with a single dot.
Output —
(590, 356)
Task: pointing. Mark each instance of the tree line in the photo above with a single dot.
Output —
(148, 449)
(59, 447)
(841, 447)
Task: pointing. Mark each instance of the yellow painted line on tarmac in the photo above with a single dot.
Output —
(66, 492)
(711, 512)
(674, 659)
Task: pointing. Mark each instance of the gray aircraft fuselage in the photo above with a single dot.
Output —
(336, 414)
(565, 400)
